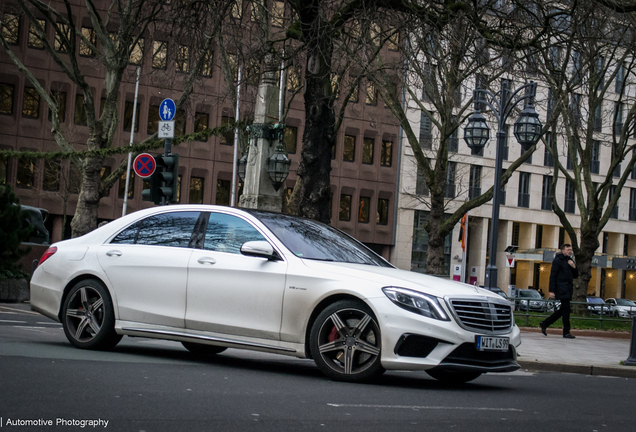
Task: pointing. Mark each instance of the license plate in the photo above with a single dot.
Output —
(491, 343)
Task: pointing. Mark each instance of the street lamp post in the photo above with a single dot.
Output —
(527, 130)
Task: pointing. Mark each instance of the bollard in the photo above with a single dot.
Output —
(631, 360)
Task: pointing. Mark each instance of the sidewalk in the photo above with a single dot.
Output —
(591, 353)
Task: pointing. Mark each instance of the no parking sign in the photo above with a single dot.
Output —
(144, 165)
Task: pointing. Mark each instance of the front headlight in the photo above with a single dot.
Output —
(416, 302)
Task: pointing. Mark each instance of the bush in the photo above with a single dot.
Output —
(14, 229)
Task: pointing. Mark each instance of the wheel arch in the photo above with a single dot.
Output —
(322, 305)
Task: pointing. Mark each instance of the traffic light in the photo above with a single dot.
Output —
(165, 181)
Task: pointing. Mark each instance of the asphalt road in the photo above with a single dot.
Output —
(147, 385)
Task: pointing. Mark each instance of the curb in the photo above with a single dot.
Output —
(613, 371)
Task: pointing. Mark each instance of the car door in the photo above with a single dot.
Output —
(147, 266)
(231, 293)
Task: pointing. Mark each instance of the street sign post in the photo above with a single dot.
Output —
(144, 165)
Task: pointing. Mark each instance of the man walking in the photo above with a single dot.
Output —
(561, 288)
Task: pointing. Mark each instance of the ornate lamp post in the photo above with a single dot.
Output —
(527, 130)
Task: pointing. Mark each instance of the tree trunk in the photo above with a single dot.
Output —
(85, 219)
(583, 256)
(319, 136)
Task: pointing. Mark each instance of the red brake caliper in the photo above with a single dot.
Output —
(333, 335)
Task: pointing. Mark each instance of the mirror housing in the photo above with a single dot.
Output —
(260, 249)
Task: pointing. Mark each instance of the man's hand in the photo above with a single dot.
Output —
(551, 295)
(571, 263)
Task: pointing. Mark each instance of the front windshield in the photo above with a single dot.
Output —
(310, 239)
(595, 300)
(623, 302)
(530, 294)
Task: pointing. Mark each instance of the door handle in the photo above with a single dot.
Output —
(113, 253)
(206, 260)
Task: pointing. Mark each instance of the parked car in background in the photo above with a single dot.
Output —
(596, 305)
(622, 307)
(503, 294)
(530, 299)
(215, 277)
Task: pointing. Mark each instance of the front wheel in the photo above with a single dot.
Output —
(345, 342)
(453, 377)
(88, 318)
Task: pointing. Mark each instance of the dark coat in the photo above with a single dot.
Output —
(561, 278)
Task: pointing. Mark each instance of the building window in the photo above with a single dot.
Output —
(207, 68)
(570, 197)
(575, 109)
(196, 190)
(201, 121)
(79, 116)
(227, 138)
(393, 42)
(474, 188)
(87, 34)
(293, 79)
(383, 212)
(598, 117)
(548, 160)
(159, 55)
(502, 197)
(62, 37)
(153, 119)
(128, 116)
(450, 180)
(223, 192)
(349, 151)
(234, 66)
(551, 104)
(618, 118)
(291, 139)
(60, 100)
(6, 98)
(524, 190)
(617, 170)
(122, 186)
(614, 213)
(632, 204)
(426, 131)
(619, 84)
(51, 175)
(26, 173)
(74, 182)
(364, 210)
(11, 28)
(3, 171)
(600, 72)
(419, 250)
(137, 53)
(345, 208)
(372, 94)
(367, 150)
(34, 36)
(180, 122)
(386, 156)
(278, 14)
(183, 58)
(353, 98)
(595, 161)
(568, 163)
(453, 140)
(31, 103)
(236, 12)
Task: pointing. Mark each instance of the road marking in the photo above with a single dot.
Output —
(423, 407)
(14, 322)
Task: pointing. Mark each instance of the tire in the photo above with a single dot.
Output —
(346, 343)
(88, 318)
(453, 377)
(203, 349)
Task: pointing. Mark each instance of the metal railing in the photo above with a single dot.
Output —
(598, 312)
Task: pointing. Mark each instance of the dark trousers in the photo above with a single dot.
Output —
(562, 312)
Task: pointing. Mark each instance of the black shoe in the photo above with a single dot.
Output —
(543, 327)
(569, 336)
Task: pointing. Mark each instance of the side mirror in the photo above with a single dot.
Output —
(260, 249)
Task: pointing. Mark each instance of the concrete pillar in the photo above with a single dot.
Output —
(503, 241)
(258, 191)
(477, 246)
(401, 253)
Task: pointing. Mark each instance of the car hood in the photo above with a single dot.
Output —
(388, 276)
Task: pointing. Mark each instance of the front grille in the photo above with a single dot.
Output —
(482, 315)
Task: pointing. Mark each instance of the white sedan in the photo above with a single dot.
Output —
(217, 277)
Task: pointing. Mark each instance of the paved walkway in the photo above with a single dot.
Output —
(591, 353)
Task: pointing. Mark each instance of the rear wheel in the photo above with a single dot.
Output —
(345, 342)
(203, 349)
(453, 377)
(88, 317)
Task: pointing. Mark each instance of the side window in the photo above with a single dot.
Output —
(226, 233)
(168, 229)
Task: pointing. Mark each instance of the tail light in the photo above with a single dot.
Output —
(47, 254)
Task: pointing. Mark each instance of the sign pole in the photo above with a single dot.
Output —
(132, 135)
(167, 112)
